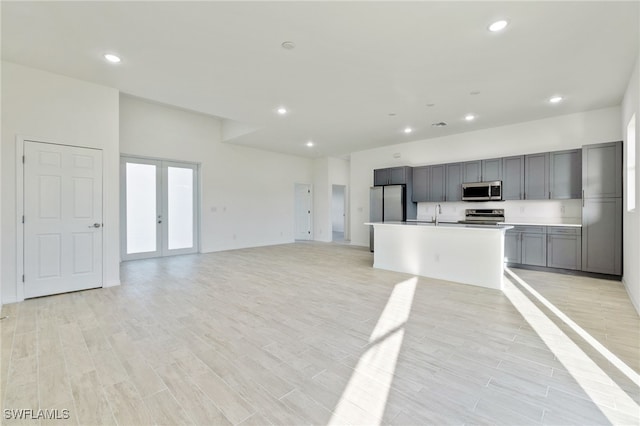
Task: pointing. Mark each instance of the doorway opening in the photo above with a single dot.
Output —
(338, 212)
(159, 208)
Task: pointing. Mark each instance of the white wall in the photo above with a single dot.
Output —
(53, 108)
(556, 133)
(631, 220)
(247, 194)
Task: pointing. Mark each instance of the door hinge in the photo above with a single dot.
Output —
(309, 211)
(22, 218)
(23, 278)
(23, 159)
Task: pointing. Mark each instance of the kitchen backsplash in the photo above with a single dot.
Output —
(521, 211)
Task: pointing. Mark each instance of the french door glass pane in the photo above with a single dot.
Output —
(141, 208)
(180, 206)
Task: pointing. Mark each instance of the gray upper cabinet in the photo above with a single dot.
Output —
(491, 169)
(565, 174)
(536, 176)
(437, 182)
(472, 171)
(380, 177)
(453, 190)
(513, 178)
(602, 235)
(392, 176)
(602, 170)
(420, 184)
(398, 175)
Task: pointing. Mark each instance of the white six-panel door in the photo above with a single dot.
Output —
(62, 218)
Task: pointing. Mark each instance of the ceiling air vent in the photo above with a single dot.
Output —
(439, 124)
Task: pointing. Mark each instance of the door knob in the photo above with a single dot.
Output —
(95, 225)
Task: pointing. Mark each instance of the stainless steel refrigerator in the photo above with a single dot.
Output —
(386, 203)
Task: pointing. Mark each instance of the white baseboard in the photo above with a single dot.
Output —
(111, 284)
(635, 303)
(9, 300)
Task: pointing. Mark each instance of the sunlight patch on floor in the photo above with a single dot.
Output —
(364, 399)
(581, 367)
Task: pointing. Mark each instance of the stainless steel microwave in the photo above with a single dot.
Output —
(482, 191)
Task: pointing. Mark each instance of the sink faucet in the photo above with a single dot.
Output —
(438, 211)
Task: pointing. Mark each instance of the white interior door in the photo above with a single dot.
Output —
(62, 218)
(159, 208)
(303, 212)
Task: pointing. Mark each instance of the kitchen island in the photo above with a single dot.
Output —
(467, 254)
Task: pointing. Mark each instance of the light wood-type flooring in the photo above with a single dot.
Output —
(310, 333)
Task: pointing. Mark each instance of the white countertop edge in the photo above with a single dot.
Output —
(515, 223)
(499, 227)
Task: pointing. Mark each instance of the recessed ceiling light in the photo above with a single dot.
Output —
(282, 111)
(498, 26)
(469, 117)
(310, 144)
(114, 59)
(408, 130)
(289, 45)
(555, 99)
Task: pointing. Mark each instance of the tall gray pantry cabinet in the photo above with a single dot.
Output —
(602, 208)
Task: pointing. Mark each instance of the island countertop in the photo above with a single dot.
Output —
(462, 253)
(500, 226)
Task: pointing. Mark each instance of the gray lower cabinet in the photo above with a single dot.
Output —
(536, 179)
(565, 174)
(513, 178)
(513, 246)
(552, 246)
(534, 246)
(453, 190)
(564, 247)
(491, 170)
(526, 245)
(602, 235)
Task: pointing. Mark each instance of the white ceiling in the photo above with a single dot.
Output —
(354, 62)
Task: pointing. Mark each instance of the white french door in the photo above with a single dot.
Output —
(159, 208)
(62, 218)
